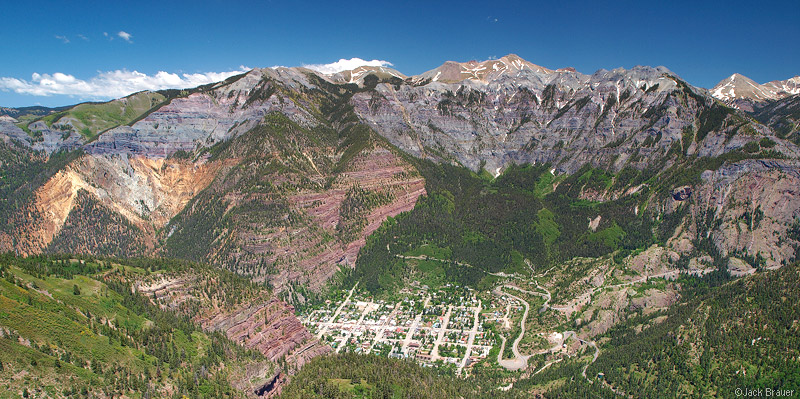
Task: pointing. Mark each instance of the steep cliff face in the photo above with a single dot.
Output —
(201, 119)
(255, 319)
(247, 314)
(747, 210)
(783, 116)
(509, 111)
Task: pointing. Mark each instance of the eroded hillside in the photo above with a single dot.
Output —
(282, 173)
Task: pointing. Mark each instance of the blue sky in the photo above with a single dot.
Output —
(702, 41)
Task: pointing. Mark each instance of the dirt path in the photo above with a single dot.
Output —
(506, 323)
(548, 364)
(425, 257)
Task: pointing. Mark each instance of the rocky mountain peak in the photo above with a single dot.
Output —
(482, 71)
(785, 88)
(358, 74)
(740, 87)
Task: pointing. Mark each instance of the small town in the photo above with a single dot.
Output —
(435, 327)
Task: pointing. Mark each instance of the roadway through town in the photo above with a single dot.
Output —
(442, 330)
(471, 339)
(325, 326)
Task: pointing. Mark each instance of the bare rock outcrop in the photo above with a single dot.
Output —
(753, 204)
(262, 322)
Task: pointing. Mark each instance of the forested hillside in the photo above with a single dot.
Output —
(73, 327)
(722, 335)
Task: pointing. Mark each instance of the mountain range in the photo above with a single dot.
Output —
(292, 178)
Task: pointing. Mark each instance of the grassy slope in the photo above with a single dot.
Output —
(91, 119)
(101, 337)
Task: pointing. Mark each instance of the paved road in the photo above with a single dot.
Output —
(442, 330)
(471, 338)
(382, 328)
(518, 362)
(413, 329)
(336, 313)
(349, 333)
(546, 294)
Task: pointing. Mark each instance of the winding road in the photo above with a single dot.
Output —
(520, 361)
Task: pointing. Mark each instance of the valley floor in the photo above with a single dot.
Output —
(512, 328)
(435, 327)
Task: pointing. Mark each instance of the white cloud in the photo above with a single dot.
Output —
(62, 38)
(345, 65)
(110, 38)
(125, 36)
(107, 85)
(83, 37)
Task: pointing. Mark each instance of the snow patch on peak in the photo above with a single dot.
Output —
(738, 86)
(346, 65)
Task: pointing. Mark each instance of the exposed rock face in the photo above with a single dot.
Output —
(486, 71)
(285, 223)
(498, 112)
(259, 321)
(148, 172)
(378, 171)
(9, 130)
(262, 322)
(200, 119)
(269, 327)
(682, 193)
(146, 192)
(740, 87)
(358, 75)
(743, 93)
(783, 116)
(252, 173)
(746, 209)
